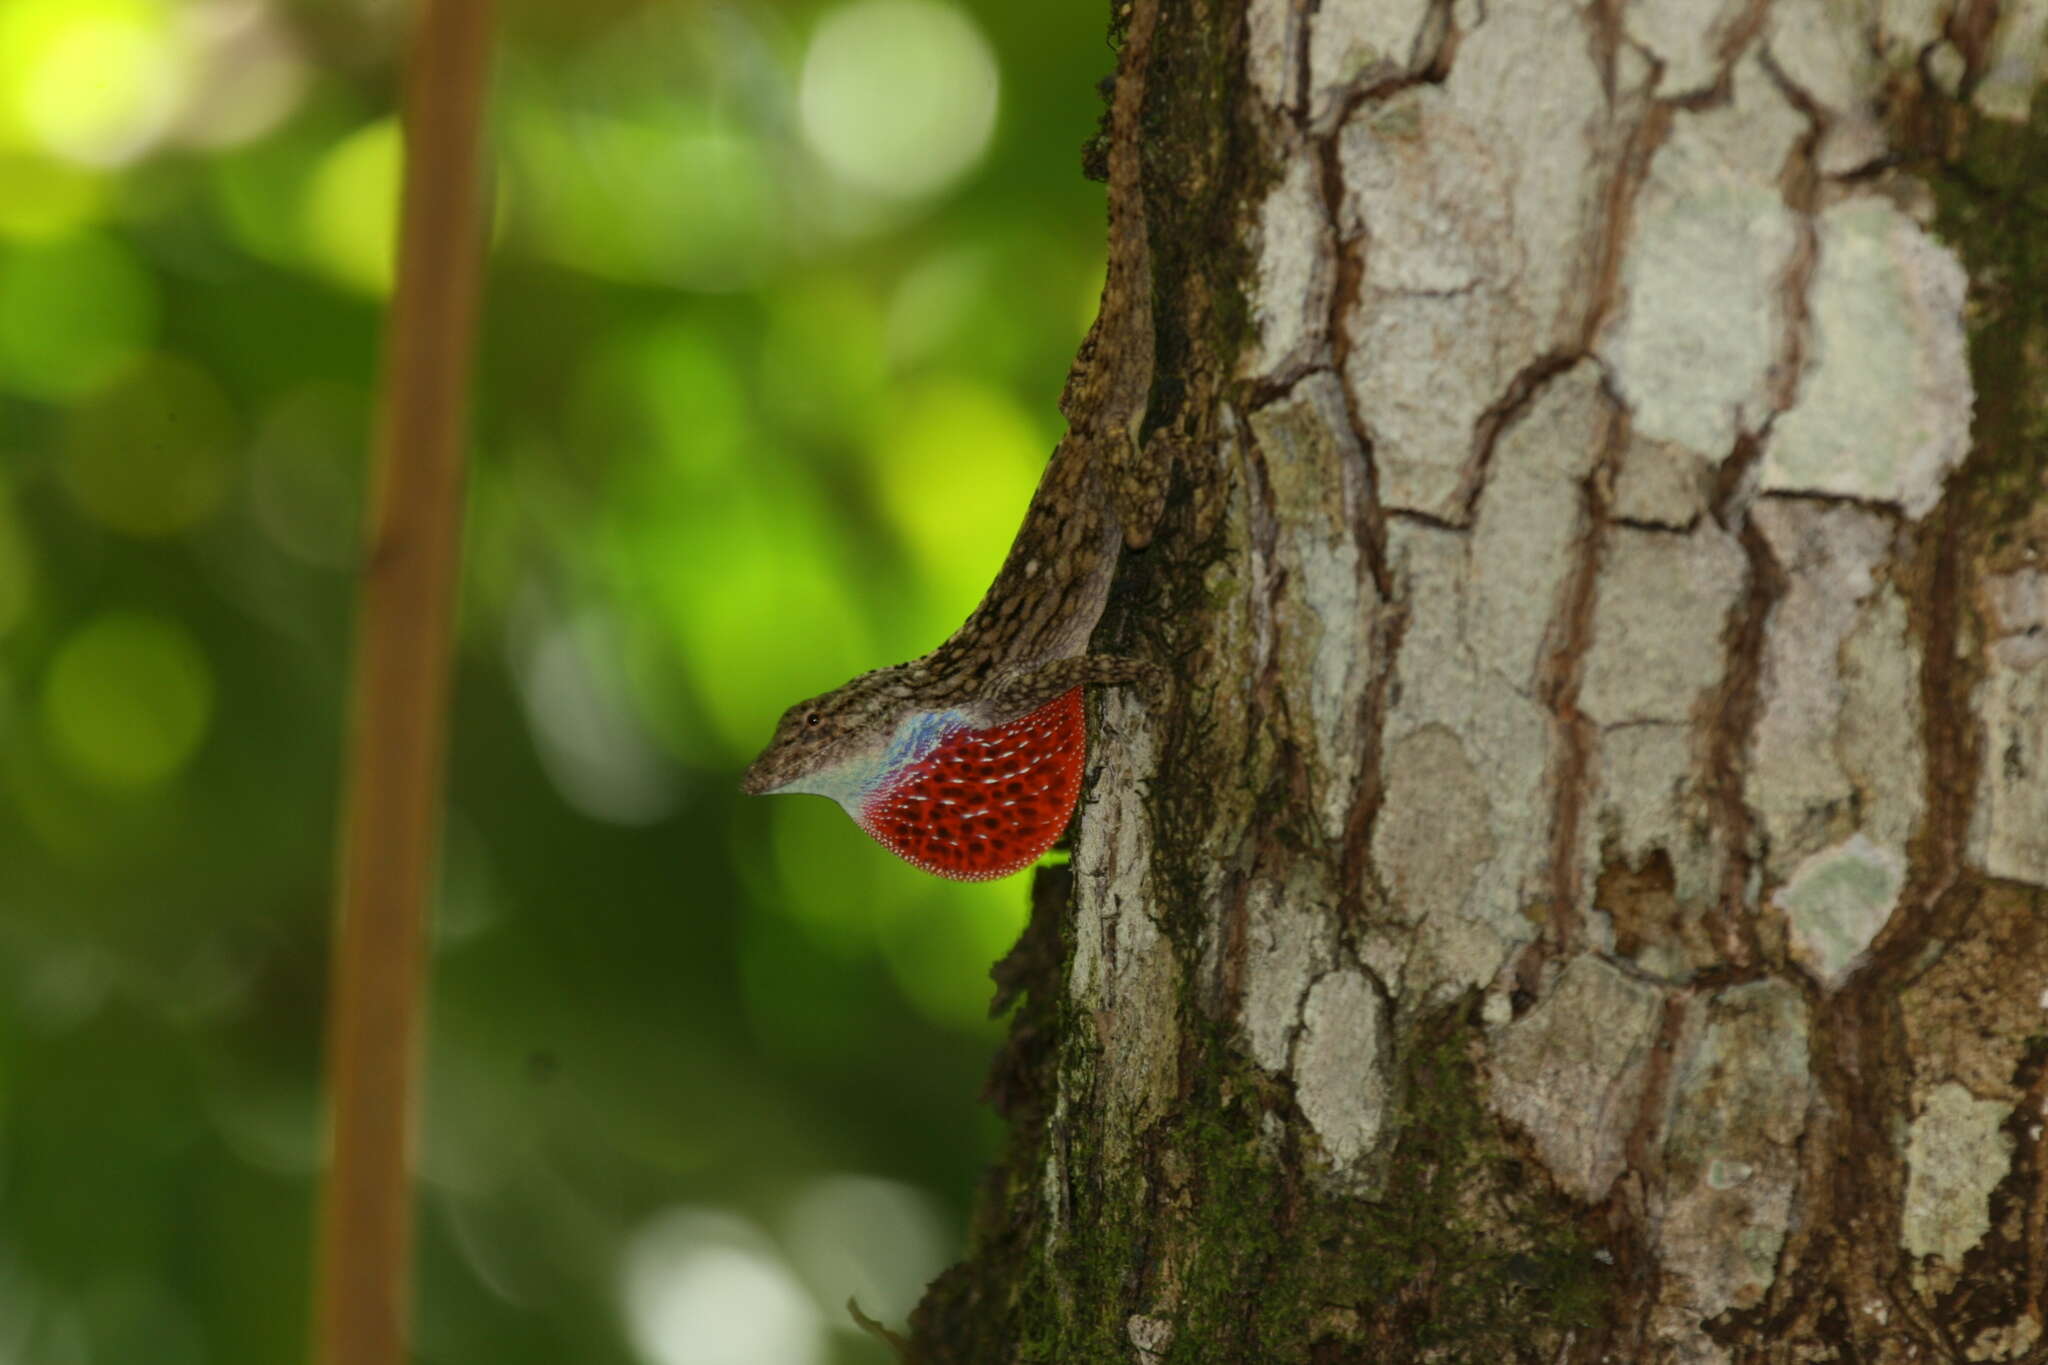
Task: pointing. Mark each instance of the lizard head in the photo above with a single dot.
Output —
(829, 744)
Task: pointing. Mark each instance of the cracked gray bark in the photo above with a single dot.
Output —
(1589, 899)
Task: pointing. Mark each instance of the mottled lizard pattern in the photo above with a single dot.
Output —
(967, 762)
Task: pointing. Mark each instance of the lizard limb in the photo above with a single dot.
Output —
(1022, 693)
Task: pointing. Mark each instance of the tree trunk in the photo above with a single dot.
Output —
(1585, 899)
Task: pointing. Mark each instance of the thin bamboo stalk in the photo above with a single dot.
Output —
(390, 821)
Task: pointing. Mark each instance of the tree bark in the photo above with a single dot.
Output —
(1585, 900)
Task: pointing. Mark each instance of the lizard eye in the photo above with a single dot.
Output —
(812, 719)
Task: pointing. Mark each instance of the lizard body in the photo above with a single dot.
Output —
(967, 761)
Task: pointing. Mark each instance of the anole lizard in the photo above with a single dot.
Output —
(967, 762)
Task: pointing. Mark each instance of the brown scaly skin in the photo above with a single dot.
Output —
(1027, 642)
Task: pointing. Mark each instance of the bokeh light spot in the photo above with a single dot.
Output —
(259, 189)
(674, 195)
(704, 1288)
(127, 699)
(350, 211)
(254, 77)
(72, 313)
(95, 81)
(878, 1242)
(149, 455)
(584, 728)
(898, 96)
(957, 469)
(933, 303)
(305, 473)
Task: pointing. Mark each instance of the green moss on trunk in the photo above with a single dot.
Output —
(1990, 180)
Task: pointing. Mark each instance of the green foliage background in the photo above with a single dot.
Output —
(743, 429)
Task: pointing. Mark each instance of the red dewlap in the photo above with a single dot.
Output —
(986, 803)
